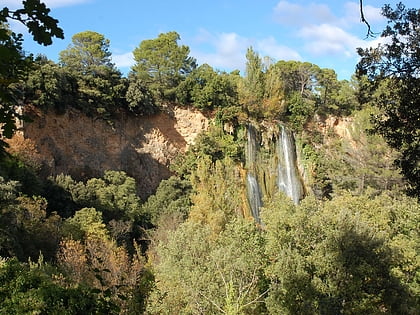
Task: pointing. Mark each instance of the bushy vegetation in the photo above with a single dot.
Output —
(351, 246)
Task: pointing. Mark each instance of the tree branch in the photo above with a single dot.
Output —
(212, 302)
(363, 20)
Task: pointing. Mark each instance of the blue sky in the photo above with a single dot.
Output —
(218, 32)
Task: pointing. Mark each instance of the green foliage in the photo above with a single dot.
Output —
(13, 67)
(35, 16)
(340, 257)
(215, 144)
(396, 64)
(140, 99)
(254, 79)
(25, 229)
(206, 89)
(300, 110)
(14, 63)
(346, 98)
(86, 222)
(293, 91)
(197, 273)
(100, 86)
(88, 54)
(13, 168)
(361, 159)
(335, 97)
(51, 87)
(114, 195)
(32, 290)
(253, 89)
(171, 197)
(218, 193)
(349, 255)
(162, 64)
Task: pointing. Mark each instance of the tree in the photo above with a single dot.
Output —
(299, 82)
(328, 89)
(172, 197)
(201, 273)
(13, 61)
(33, 289)
(13, 67)
(86, 222)
(139, 98)
(25, 229)
(346, 97)
(35, 16)
(88, 54)
(100, 86)
(300, 77)
(100, 264)
(299, 110)
(253, 84)
(217, 199)
(274, 102)
(350, 255)
(163, 64)
(207, 89)
(254, 79)
(114, 195)
(51, 87)
(395, 65)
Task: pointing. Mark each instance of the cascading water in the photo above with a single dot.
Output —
(251, 148)
(252, 186)
(288, 179)
(271, 168)
(254, 196)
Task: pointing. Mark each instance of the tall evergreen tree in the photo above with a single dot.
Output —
(88, 54)
(101, 88)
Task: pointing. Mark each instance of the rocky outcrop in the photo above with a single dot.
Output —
(85, 147)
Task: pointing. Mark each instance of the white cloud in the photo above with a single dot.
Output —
(269, 47)
(228, 50)
(123, 60)
(326, 39)
(329, 39)
(372, 14)
(13, 4)
(291, 14)
(298, 15)
(322, 32)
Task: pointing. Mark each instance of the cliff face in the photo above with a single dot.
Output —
(85, 147)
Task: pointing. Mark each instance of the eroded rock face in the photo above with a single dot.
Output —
(85, 147)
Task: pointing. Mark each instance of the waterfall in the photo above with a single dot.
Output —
(252, 186)
(271, 168)
(288, 179)
(254, 196)
(251, 147)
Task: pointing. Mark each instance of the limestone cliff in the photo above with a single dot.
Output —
(85, 147)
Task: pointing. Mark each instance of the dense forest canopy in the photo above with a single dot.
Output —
(349, 244)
